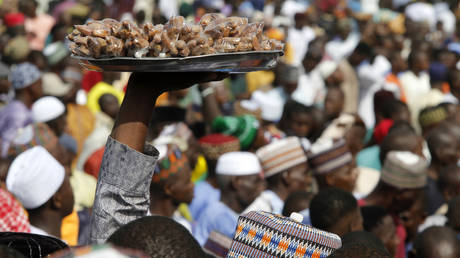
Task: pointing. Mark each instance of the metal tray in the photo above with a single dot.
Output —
(240, 62)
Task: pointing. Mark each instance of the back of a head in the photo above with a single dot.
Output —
(157, 236)
(372, 216)
(8, 252)
(329, 205)
(363, 237)
(440, 242)
(359, 250)
(453, 213)
(297, 201)
(400, 137)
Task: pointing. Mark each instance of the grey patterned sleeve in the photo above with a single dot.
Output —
(122, 193)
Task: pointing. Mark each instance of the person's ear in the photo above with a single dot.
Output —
(57, 201)
(286, 177)
(329, 179)
(168, 188)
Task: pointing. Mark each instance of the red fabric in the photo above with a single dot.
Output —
(381, 130)
(93, 164)
(14, 19)
(402, 234)
(217, 138)
(90, 79)
(12, 215)
(327, 5)
(362, 202)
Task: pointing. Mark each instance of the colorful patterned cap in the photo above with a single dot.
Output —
(263, 234)
(215, 145)
(327, 156)
(404, 170)
(171, 161)
(432, 115)
(24, 75)
(244, 127)
(281, 155)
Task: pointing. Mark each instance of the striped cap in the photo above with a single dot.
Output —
(403, 169)
(327, 156)
(263, 234)
(214, 145)
(281, 155)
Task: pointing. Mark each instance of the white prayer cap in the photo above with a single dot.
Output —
(34, 177)
(327, 68)
(46, 109)
(272, 107)
(238, 163)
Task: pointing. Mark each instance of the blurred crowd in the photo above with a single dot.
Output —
(357, 129)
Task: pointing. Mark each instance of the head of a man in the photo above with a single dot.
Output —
(40, 183)
(443, 148)
(298, 201)
(437, 241)
(285, 166)
(333, 165)
(380, 223)
(172, 176)
(359, 250)
(335, 210)
(157, 236)
(297, 119)
(334, 102)
(240, 185)
(289, 78)
(401, 137)
(403, 177)
(418, 61)
(50, 110)
(28, 7)
(109, 105)
(396, 110)
(431, 117)
(27, 82)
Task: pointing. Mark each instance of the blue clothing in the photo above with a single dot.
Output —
(204, 195)
(216, 217)
(13, 116)
(369, 158)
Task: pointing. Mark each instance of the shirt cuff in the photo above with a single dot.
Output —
(128, 169)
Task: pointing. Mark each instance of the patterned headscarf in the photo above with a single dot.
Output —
(24, 75)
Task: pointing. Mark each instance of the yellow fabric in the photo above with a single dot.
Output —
(69, 229)
(97, 91)
(80, 124)
(255, 80)
(288, 57)
(184, 211)
(84, 189)
(200, 170)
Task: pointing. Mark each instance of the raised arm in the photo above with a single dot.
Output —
(127, 167)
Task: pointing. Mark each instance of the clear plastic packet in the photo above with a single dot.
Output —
(97, 46)
(98, 29)
(137, 47)
(210, 18)
(174, 27)
(115, 46)
(79, 50)
(112, 24)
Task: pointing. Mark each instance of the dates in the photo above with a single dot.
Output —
(214, 33)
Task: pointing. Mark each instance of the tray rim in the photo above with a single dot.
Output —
(280, 52)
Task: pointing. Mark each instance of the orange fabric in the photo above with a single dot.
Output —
(391, 78)
(69, 229)
(445, 88)
(93, 163)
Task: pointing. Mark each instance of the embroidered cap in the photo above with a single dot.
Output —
(403, 169)
(263, 234)
(327, 156)
(281, 155)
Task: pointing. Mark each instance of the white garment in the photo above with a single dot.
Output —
(339, 49)
(370, 6)
(415, 86)
(267, 201)
(421, 12)
(35, 230)
(311, 89)
(168, 8)
(433, 220)
(371, 79)
(299, 40)
(446, 16)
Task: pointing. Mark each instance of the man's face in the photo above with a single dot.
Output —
(36, 89)
(404, 199)
(301, 124)
(5, 85)
(333, 104)
(248, 188)
(66, 197)
(355, 139)
(343, 178)
(300, 178)
(181, 186)
(386, 231)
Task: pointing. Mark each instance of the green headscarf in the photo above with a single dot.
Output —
(244, 127)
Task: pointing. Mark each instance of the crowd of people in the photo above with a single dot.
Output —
(349, 147)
